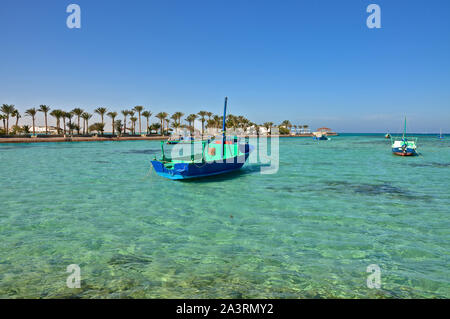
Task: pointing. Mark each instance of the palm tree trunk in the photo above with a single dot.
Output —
(45, 115)
(34, 132)
(140, 127)
(78, 125)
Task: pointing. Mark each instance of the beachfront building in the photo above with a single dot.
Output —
(41, 129)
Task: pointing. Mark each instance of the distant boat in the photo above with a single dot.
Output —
(404, 146)
(217, 157)
(440, 135)
(387, 135)
(320, 136)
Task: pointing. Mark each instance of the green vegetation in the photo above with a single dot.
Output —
(166, 123)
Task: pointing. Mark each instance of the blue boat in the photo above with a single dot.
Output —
(321, 137)
(440, 135)
(214, 157)
(404, 146)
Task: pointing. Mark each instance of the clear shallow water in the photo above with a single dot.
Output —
(308, 231)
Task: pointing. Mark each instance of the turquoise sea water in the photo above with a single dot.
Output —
(309, 231)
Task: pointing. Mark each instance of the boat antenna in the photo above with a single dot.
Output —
(224, 127)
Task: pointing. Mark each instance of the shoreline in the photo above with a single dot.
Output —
(103, 139)
(78, 139)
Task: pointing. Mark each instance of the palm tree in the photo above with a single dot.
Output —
(125, 113)
(174, 117)
(112, 115)
(191, 119)
(102, 111)
(257, 126)
(86, 116)
(57, 114)
(139, 109)
(72, 126)
(147, 115)
(218, 121)
(16, 114)
(131, 113)
(202, 115)
(176, 126)
(178, 116)
(162, 116)
(69, 116)
(268, 126)
(78, 112)
(44, 109)
(64, 116)
(286, 124)
(155, 126)
(167, 126)
(3, 118)
(98, 127)
(32, 112)
(305, 127)
(210, 123)
(7, 110)
(133, 121)
(118, 126)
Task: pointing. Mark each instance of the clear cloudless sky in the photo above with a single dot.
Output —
(309, 61)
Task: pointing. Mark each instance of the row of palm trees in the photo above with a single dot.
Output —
(78, 120)
(287, 124)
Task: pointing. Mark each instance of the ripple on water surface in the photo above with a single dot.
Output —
(309, 231)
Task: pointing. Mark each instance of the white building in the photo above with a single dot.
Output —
(41, 129)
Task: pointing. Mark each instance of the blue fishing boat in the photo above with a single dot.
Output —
(320, 137)
(404, 146)
(207, 157)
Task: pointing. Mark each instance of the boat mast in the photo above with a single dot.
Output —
(224, 126)
(404, 130)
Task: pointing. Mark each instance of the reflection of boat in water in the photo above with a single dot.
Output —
(213, 157)
(404, 146)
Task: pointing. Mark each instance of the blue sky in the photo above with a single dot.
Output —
(313, 62)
